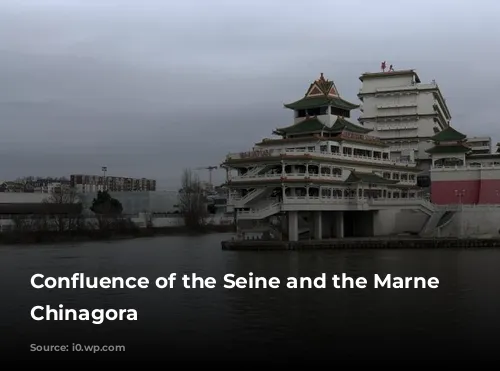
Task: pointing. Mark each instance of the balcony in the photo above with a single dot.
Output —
(411, 126)
(396, 105)
(326, 155)
(486, 166)
(290, 176)
(365, 203)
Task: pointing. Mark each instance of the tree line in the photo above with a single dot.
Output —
(108, 211)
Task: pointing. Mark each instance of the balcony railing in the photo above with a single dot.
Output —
(466, 167)
(281, 152)
(278, 176)
(397, 127)
(341, 200)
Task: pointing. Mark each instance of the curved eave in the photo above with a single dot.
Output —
(355, 178)
(307, 134)
(369, 142)
(316, 102)
(407, 186)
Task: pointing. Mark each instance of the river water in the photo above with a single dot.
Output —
(459, 318)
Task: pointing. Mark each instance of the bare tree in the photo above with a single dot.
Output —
(62, 220)
(192, 201)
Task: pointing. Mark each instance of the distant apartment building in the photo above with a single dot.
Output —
(480, 145)
(34, 185)
(93, 183)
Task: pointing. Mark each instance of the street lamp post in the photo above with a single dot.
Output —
(104, 169)
(460, 195)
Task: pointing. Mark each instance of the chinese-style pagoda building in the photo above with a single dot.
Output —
(323, 176)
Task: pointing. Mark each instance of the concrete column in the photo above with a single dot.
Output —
(310, 224)
(293, 226)
(339, 224)
(318, 225)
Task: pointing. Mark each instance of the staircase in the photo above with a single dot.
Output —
(259, 213)
(254, 171)
(437, 222)
(427, 207)
(431, 224)
(418, 204)
(250, 196)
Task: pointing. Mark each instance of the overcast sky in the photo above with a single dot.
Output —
(149, 87)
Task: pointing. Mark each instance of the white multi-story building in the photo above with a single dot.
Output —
(93, 183)
(403, 112)
(480, 145)
(324, 177)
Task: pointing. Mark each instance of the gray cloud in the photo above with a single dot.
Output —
(149, 87)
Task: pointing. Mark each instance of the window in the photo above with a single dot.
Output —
(323, 148)
(311, 149)
(347, 151)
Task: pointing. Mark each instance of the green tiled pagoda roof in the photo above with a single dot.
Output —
(448, 135)
(314, 125)
(343, 124)
(448, 149)
(309, 125)
(322, 92)
(357, 177)
(315, 102)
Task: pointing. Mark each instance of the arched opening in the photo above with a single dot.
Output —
(326, 192)
(313, 169)
(337, 171)
(313, 192)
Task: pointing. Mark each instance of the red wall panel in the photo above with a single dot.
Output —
(476, 192)
(443, 192)
(490, 191)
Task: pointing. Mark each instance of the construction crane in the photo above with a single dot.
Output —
(210, 169)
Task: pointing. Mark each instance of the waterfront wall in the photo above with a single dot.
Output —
(474, 221)
(141, 221)
(392, 221)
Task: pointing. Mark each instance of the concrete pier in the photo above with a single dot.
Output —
(364, 243)
(293, 226)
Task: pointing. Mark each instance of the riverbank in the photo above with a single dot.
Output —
(400, 242)
(52, 237)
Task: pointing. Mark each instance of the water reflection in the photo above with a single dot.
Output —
(461, 313)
